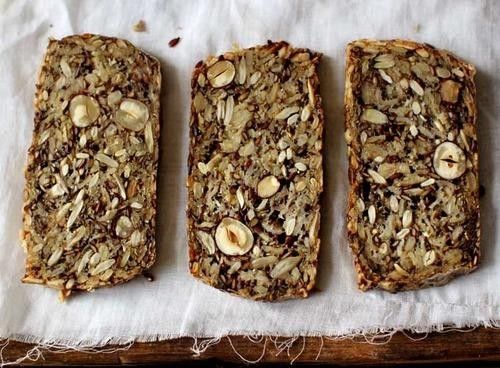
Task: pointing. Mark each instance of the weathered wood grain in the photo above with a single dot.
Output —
(481, 344)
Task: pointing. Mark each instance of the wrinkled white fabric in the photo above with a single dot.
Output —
(175, 304)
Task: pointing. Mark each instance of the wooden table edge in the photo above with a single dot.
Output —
(402, 348)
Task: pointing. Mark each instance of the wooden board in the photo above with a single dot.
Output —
(481, 344)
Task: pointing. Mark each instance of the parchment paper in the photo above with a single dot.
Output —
(175, 304)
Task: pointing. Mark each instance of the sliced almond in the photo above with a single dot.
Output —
(105, 159)
(400, 269)
(148, 137)
(103, 266)
(240, 197)
(422, 52)
(132, 114)
(75, 212)
(221, 73)
(55, 256)
(377, 178)
(300, 186)
(449, 161)
(286, 112)
(415, 107)
(374, 116)
(306, 113)
(314, 227)
(207, 241)
(360, 204)
(404, 83)
(83, 110)
(417, 88)
(363, 137)
(443, 72)
(289, 225)
(394, 203)
(429, 257)
(413, 130)
(407, 218)
(56, 190)
(254, 78)
(233, 237)
(300, 166)
(229, 109)
(402, 234)
(310, 93)
(384, 61)
(372, 214)
(268, 186)
(428, 182)
(242, 70)
(284, 266)
(385, 76)
(66, 69)
(263, 262)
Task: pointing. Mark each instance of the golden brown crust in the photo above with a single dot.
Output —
(363, 78)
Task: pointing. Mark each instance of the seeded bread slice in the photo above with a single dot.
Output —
(255, 172)
(413, 208)
(90, 196)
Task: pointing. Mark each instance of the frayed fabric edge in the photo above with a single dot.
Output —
(282, 343)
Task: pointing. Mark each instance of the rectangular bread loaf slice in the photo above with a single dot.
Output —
(255, 172)
(413, 208)
(90, 195)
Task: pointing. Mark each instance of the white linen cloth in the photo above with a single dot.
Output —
(175, 304)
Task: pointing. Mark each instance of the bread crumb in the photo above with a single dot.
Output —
(139, 26)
